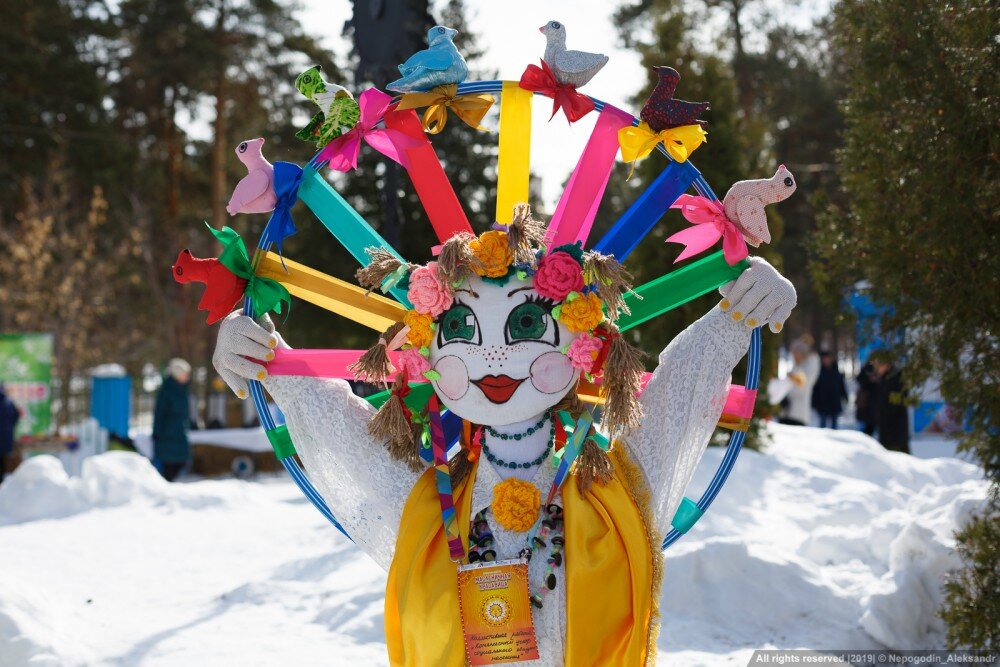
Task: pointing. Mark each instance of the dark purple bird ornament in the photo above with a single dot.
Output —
(662, 111)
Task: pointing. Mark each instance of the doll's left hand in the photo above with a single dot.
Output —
(759, 296)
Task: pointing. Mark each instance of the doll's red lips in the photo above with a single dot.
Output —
(498, 388)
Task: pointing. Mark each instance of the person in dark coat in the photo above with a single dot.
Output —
(864, 401)
(9, 416)
(892, 417)
(830, 392)
(171, 419)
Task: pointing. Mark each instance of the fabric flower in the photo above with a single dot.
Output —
(582, 313)
(558, 274)
(427, 294)
(515, 504)
(493, 254)
(421, 332)
(413, 363)
(583, 352)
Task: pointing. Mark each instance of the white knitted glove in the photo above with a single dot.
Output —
(759, 296)
(241, 339)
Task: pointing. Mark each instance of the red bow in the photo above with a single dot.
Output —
(541, 80)
(607, 337)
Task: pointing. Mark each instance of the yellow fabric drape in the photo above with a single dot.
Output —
(514, 161)
(470, 108)
(611, 565)
(337, 296)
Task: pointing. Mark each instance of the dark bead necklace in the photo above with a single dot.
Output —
(497, 461)
(518, 436)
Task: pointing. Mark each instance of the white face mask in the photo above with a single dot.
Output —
(499, 353)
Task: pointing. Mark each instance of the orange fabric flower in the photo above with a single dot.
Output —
(492, 250)
(582, 313)
(420, 334)
(515, 504)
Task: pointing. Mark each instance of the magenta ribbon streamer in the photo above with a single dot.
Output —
(319, 363)
(578, 205)
(341, 154)
(740, 401)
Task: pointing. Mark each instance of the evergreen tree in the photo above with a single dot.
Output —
(921, 192)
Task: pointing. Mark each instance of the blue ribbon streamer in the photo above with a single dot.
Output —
(647, 210)
(287, 177)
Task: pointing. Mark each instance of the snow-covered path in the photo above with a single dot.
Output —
(825, 541)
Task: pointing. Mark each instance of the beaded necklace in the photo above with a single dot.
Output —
(496, 460)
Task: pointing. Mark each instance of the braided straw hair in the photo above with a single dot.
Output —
(525, 235)
(622, 382)
(374, 364)
(593, 464)
(455, 262)
(610, 279)
(382, 265)
(392, 425)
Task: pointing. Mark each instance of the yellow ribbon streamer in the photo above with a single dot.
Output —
(470, 108)
(514, 162)
(333, 294)
(638, 141)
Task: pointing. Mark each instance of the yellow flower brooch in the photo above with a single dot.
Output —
(515, 504)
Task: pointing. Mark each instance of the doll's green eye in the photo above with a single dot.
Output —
(527, 322)
(458, 324)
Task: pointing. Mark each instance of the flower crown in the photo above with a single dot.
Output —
(588, 289)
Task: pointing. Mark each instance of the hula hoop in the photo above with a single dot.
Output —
(687, 514)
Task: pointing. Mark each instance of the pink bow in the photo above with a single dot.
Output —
(710, 224)
(342, 152)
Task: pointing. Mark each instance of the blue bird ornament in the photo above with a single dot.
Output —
(437, 65)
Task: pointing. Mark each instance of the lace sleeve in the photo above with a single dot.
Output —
(682, 404)
(364, 487)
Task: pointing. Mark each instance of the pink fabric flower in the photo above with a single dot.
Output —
(583, 352)
(558, 274)
(427, 294)
(414, 363)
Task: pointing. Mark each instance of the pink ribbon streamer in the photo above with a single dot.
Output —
(341, 154)
(740, 401)
(577, 208)
(710, 224)
(319, 363)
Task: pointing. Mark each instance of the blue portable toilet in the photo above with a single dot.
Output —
(111, 398)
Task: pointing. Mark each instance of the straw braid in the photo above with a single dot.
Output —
(382, 265)
(525, 235)
(374, 364)
(592, 465)
(622, 382)
(455, 262)
(392, 425)
(610, 279)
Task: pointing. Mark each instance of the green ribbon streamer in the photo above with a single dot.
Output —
(281, 441)
(677, 288)
(265, 294)
(420, 393)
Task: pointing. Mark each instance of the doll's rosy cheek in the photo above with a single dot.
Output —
(551, 372)
(454, 380)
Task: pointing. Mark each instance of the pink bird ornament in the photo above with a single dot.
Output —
(738, 219)
(255, 191)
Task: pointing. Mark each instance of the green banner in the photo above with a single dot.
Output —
(26, 372)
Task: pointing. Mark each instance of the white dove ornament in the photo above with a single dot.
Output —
(574, 68)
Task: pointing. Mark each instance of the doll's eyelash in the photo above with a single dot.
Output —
(545, 302)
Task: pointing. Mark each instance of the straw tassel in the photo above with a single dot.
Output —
(455, 261)
(525, 235)
(592, 465)
(382, 265)
(374, 364)
(610, 279)
(622, 382)
(392, 425)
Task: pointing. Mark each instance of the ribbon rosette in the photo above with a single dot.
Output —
(265, 294)
(710, 224)
(341, 154)
(638, 141)
(564, 96)
(470, 108)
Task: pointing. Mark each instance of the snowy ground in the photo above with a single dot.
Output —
(825, 541)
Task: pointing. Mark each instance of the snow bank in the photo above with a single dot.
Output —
(825, 541)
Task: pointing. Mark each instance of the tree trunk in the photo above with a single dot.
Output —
(218, 163)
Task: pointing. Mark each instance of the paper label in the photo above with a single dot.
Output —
(496, 613)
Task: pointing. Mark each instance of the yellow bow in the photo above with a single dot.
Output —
(470, 108)
(638, 141)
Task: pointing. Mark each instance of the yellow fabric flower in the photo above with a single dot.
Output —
(583, 313)
(420, 333)
(515, 504)
(493, 253)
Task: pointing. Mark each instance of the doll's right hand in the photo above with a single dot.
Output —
(240, 340)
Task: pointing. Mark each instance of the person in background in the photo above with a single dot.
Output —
(9, 416)
(805, 371)
(830, 391)
(891, 415)
(170, 421)
(864, 401)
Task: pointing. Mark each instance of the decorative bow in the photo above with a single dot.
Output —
(280, 226)
(710, 224)
(265, 293)
(638, 141)
(341, 154)
(564, 96)
(470, 108)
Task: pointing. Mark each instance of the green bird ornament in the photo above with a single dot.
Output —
(338, 110)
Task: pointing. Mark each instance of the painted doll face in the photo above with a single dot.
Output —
(498, 350)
